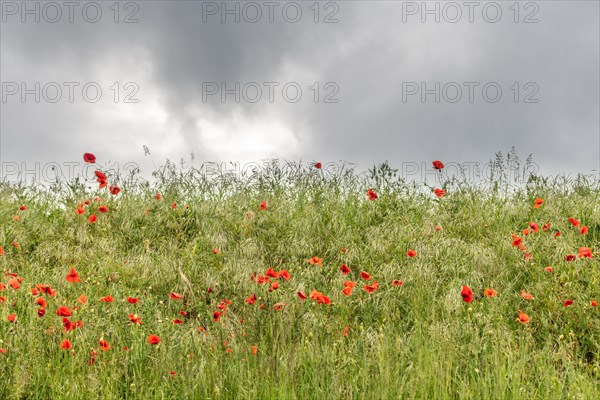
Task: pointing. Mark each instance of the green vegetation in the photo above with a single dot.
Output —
(415, 340)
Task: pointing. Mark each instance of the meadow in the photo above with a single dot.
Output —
(300, 282)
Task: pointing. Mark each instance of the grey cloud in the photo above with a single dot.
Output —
(369, 54)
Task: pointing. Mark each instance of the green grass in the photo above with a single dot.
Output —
(420, 340)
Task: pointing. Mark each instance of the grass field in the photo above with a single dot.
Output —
(205, 248)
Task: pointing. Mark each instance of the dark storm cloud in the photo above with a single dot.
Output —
(369, 54)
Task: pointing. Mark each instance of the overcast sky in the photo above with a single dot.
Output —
(361, 67)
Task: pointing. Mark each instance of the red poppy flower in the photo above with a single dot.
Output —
(285, 274)
(584, 230)
(301, 294)
(66, 344)
(114, 190)
(567, 303)
(73, 277)
(63, 311)
(216, 316)
(69, 326)
(175, 296)
(570, 257)
(517, 241)
(349, 284)
(439, 193)
(92, 218)
(411, 253)
(548, 269)
(254, 350)
(585, 252)
(103, 209)
(224, 304)
(263, 206)
(82, 299)
(467, 294)
(557, 234)
(89, 158)
(15, 284)
(527, 296)
(346, 330)
(40, 301)
(104, 345)
(40, 312)
(533, 226)
(178, 321)
(93, 355)
(316, 261)
(251, 299)
(372, 287)
(278, 306)
(135, 319)
(274, 286)
(545, 227)
(46, 289)
(216, 250)
(490, 293)
(594, 303)
(271, 273)
(153, 339)
(12, 317)
(365, 275)
(100, 176)
(78, 324)
(523, 318)
(345, 269)
(80, 210)
(318, 165)
(316, 295)
(574, 222)
(132, 300)
(372, 195)
(107, 299)
(397, 283)
(437, 164)
(538, 203)
(347, 291)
